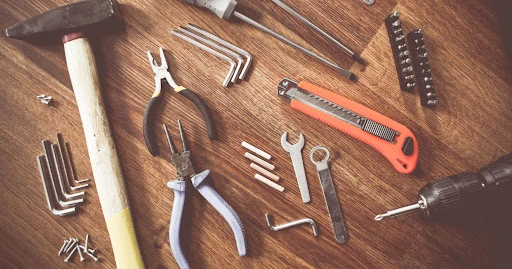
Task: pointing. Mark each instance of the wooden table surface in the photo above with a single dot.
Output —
(469, 128)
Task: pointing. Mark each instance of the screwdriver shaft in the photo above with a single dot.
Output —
(318, 30)
(338, 68)
(399, 211)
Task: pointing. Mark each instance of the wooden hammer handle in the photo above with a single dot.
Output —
(102, 152)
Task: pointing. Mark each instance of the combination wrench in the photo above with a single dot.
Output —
(298, 165)
(331, 200)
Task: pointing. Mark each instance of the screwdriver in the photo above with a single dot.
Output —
(225, 8)
(450, 194)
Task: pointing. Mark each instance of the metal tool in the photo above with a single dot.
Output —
(400, 51)
(238, 57)
(62, 182)
(47, 100)
(71, 24)
(41, 163)
(71, 164)
(422, 68)
(226, 8)
(65, 164)
(232, 63)
(291, 224)
(184, 169)
(162, 73)
(248, 57)
(331, 199)
(450, 194)
(317, 29)
(369, 2)
(395, 141)
(298, 165)
(52, 177)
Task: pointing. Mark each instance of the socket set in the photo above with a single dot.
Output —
(400, 51)
(421, 66)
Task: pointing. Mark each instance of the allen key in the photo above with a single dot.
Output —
(41, 163)
(57, 159)
(71, 165)
(64, 203)
(226, 44)
(212, 51)
(240, 59)
(65, 162)
(291, 224)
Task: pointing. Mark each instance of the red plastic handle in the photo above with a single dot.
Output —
(393, 152)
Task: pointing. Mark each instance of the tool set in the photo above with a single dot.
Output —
(224, 9)
(448, 195)
(291, 224)
(400, 52)
(331, 200)
(215, 45)
(184, 169)
(393, 140)
(72, 245)
(161, 73)
(55, 166)
(422, 68)
(298, 165)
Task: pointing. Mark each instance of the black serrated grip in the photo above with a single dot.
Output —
(446, 195)
(498, 174)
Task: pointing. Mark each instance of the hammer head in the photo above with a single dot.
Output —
(83, 16)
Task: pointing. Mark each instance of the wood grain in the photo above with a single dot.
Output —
(470, 127)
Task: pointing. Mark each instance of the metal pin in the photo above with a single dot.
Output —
(396, 23)
(62, 248)
(212, 51)
(86, 241)
(400, 47)
(74, 241)
(71, 254)
(411, 85)
(431, 102)
(398, 31)
(90, 254)
(400, 37)
(80, 253)
(291, 224)
(406, 61)
(424, 55)
(407, 69)
(409, 77)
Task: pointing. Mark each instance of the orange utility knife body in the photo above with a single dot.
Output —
(395, 141)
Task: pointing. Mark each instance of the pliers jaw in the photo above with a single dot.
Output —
(182, 162)
(161, 71)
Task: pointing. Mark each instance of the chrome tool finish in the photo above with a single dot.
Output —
(42, 164)
(291, 224)
(331, 199)
(298, 165)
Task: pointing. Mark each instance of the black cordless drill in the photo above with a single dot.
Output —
(450, 194)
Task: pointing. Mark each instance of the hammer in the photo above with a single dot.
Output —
(71, 22)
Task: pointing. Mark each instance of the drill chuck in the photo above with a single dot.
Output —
(448, 195)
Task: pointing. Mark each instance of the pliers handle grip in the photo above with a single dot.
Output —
(149, 114)
(228, 213)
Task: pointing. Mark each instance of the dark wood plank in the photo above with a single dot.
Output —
(467, 130)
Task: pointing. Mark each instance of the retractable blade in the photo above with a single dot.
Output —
(393, 140)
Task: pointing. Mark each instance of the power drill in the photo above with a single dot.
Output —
(450, 194)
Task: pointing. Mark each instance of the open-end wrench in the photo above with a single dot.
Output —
(331, 200)
(298, 165)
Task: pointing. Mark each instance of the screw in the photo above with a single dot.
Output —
(80, 253)
(70, 255)
(62, 248)
(89, 250)
(90, 254)
(70, 246)
(86, 241)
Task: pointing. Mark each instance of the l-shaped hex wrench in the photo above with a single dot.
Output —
(212, 51)
(239, 58)
(226, 44)
(291, 224)
(41, 162)
(65, 162)
(46, 147)
(57, 160)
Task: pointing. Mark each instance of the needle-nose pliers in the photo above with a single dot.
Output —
(184, 169)
(161, 73)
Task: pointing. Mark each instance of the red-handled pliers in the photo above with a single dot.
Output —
(161, 73)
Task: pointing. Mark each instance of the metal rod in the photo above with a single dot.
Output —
(41, 163)
(212, 51)
(71, 165)
(65, 163)
(291, 224)
(226, 44)
(399, 211)
(239, 58)
(338, 68)
(57, 162)
(320, 31)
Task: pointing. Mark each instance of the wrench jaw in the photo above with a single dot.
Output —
(289, 147)
(295, 151)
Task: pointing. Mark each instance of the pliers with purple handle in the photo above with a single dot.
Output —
(185, 169)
